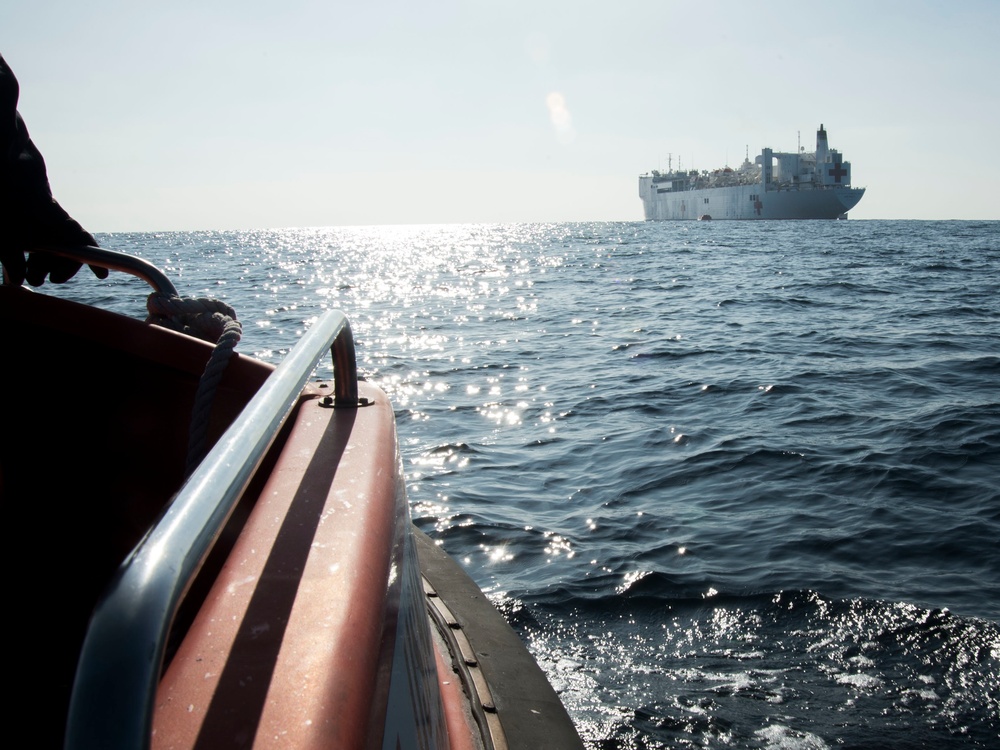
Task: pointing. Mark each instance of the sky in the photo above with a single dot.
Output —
(224, 114)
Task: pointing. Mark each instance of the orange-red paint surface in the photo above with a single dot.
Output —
(284, 652)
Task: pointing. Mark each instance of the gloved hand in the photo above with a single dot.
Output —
(30, 218)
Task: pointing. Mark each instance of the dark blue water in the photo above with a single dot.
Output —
(736, 484)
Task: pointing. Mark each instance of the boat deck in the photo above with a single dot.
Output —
(287, 632)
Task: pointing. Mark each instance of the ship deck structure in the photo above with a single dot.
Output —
(776, 185)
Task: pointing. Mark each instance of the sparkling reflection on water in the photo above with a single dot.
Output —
(736, 484)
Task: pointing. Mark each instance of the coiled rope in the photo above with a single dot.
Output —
(210, 320)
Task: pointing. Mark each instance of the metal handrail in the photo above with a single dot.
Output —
(344, 359)
(115, 261)
(115, 687)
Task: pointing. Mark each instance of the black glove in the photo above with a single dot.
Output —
(30, 218)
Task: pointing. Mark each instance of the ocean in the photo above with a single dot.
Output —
(735, 484)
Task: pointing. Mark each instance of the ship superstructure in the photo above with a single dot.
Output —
(776, 185)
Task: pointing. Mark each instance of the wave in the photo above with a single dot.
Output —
(788, 666)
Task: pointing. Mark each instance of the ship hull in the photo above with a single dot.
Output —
(746, 202)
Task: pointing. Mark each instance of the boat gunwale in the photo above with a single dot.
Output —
(112, 706)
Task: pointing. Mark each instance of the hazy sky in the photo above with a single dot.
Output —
(202, 114)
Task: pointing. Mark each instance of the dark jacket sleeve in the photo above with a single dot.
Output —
(30, 218)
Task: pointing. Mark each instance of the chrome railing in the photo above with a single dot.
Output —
(119, 667)
(115, 261)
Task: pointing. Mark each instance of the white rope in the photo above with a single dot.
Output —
(210, 320)
(191, 315)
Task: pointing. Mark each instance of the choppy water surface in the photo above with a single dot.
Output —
(736, 484)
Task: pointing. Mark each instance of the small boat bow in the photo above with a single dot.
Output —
(275, 593)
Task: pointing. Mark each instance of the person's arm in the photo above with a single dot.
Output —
(30, 218)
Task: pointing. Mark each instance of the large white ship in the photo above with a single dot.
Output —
(777, 185)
